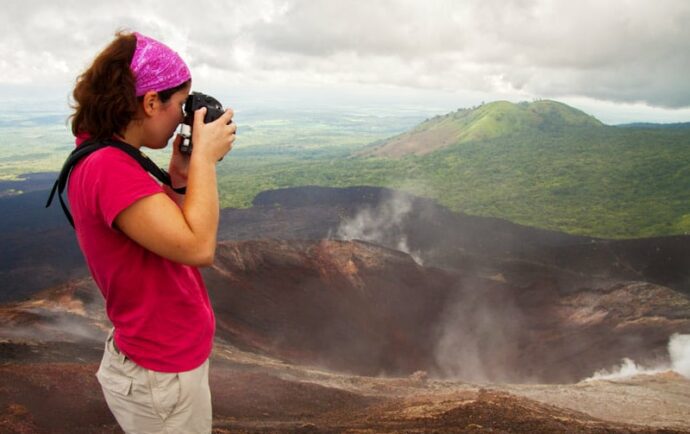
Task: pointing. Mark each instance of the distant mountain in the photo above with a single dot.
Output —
(488, 121)
(542, 164)
(653, 126)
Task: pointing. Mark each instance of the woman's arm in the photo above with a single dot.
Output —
(185, 234)
(178, 170)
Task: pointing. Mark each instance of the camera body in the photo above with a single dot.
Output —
(195, 101)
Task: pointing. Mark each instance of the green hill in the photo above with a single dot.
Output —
(488, 121)
(541, 164)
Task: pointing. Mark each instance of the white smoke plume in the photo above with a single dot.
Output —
(382, 225)
(65, 315)
(57, 328)
(478, 336)
(679, 354)
(679, 351)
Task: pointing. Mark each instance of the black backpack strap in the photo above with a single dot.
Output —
(91, 146)
(61, 182)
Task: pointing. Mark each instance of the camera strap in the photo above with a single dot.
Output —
(92, 145)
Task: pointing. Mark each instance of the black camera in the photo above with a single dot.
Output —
(194, 102)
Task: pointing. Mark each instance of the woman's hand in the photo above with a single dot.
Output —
(178, 170)
(179, 164)
(212, 140)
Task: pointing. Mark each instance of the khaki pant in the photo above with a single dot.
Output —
(146, 401)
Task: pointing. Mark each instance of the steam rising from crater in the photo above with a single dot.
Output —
(679, 354)
(69, 313)
(679, 350)
(478, 336)
(382, 225)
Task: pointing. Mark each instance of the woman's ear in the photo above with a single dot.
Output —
(151, 102)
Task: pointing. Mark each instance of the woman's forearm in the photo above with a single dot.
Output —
(177, 182)
(201, 206)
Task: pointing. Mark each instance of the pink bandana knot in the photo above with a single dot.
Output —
(156, 67)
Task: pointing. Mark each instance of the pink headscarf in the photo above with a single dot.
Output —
(156, 67)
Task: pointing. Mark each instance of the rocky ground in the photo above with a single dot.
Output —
(256, 394)
(364, 310)
(335, 336)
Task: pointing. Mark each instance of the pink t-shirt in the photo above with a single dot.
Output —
(160, 309)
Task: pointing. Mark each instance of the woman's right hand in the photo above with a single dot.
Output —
(214, 139)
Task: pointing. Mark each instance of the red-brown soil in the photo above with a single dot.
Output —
(260, 397)
(335, 336)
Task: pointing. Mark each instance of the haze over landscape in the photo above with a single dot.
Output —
(438, 217)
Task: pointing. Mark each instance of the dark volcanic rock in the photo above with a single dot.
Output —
(37, 181)
(351, 306)
(357, 307)
(364, 309)
(439, 237)
(486, 305)
(39, 249)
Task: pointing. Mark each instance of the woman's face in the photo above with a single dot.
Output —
(161, 126)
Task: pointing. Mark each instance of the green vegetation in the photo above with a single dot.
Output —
(26, 149)
(604, 182)
(501, 119)
(541, 164)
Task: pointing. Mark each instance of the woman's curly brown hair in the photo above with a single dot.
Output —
(104, 97)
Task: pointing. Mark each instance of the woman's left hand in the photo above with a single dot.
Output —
(179, 164)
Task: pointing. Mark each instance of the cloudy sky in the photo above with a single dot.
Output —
(621, 60)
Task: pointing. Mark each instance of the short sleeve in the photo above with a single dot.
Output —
(119, 182)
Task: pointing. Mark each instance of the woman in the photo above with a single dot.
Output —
(142, 241)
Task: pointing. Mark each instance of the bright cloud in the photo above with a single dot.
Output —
(622, 51)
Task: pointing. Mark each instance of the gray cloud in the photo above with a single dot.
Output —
(621, 51)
